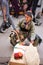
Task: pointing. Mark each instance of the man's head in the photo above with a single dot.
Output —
(28, 16)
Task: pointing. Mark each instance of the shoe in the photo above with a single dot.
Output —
(1, 30)
(4, 26)
(38, 23)
(38, 16)
(40, 40)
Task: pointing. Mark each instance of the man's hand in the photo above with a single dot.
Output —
(17, 31)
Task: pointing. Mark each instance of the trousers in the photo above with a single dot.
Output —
(5, 3)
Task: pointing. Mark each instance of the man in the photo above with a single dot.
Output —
(26, 30)
(6, 17)
(26, 27)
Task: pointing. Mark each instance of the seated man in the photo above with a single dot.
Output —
(27, 30)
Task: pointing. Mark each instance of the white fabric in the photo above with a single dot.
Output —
(32, 56)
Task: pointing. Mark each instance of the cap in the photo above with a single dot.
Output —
(29, 13)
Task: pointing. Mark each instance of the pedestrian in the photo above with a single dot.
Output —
(6, 16)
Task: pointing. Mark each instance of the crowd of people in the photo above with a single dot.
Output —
(24, 4)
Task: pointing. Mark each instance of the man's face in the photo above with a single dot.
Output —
(27, 18)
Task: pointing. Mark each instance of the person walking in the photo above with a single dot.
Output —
(6, 16)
